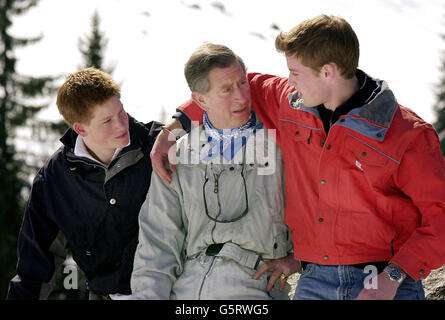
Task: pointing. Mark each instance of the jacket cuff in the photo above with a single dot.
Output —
(184, 119)
(191, 109)
(408, 261)
(20, 289)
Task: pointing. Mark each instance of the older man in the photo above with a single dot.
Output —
(206, 234)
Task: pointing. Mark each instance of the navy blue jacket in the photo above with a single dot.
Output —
(78, 203)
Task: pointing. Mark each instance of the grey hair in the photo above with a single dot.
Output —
(203, 60)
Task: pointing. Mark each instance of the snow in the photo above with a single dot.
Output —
(149, 42)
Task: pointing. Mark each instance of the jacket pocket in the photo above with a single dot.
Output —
(365, 153)
(295, 131)
(366, 217)
(308, 270)
(282, 242)
(366, 161)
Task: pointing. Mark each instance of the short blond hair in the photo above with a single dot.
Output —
(82, 92)
(322, 40)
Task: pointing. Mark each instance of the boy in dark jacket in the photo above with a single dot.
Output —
(88, 195)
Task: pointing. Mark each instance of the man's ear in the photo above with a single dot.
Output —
(79, 128)
(199, 99)
(329, 70)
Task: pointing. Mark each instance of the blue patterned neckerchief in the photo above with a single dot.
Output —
(228, 142)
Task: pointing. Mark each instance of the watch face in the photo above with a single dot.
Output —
(394, 274)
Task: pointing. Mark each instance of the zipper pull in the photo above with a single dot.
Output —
(216, 178)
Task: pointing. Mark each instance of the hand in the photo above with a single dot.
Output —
(287, 265)
(162, 151)
(386, 289)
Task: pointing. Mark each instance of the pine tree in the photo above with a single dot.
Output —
(16, 110)
(439, 107)
(92, 48)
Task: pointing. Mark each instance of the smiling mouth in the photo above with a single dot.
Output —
(240, 110)
(122, 135)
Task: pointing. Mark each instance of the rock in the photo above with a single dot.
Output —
(434, 284)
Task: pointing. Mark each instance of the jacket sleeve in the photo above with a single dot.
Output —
(188, 113)
(41, 249)
(421, 176)
(158, 260)
(269, 93)
(154, 128)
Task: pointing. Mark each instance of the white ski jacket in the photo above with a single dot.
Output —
(177, 223)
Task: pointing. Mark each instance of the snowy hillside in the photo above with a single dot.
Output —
(149, 42)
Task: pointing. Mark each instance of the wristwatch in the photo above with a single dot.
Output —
(395, 274)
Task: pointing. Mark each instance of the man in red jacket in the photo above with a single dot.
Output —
(365, 179)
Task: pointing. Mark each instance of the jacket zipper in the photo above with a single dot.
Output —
(88, 163)
(216, 190)
(205, 277)
(330, 120)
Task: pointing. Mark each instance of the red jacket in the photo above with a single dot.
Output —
(373, 189)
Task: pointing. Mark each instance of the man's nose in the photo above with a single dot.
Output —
(241, 94)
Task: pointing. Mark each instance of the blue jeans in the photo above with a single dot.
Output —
(319, 282)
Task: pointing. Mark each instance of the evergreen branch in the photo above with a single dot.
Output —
(21, 42)
(36, 86)
(21, 6)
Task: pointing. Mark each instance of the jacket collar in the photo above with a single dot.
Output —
(372, 119)
(375, 117)
(70, 136)
(193, 147)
